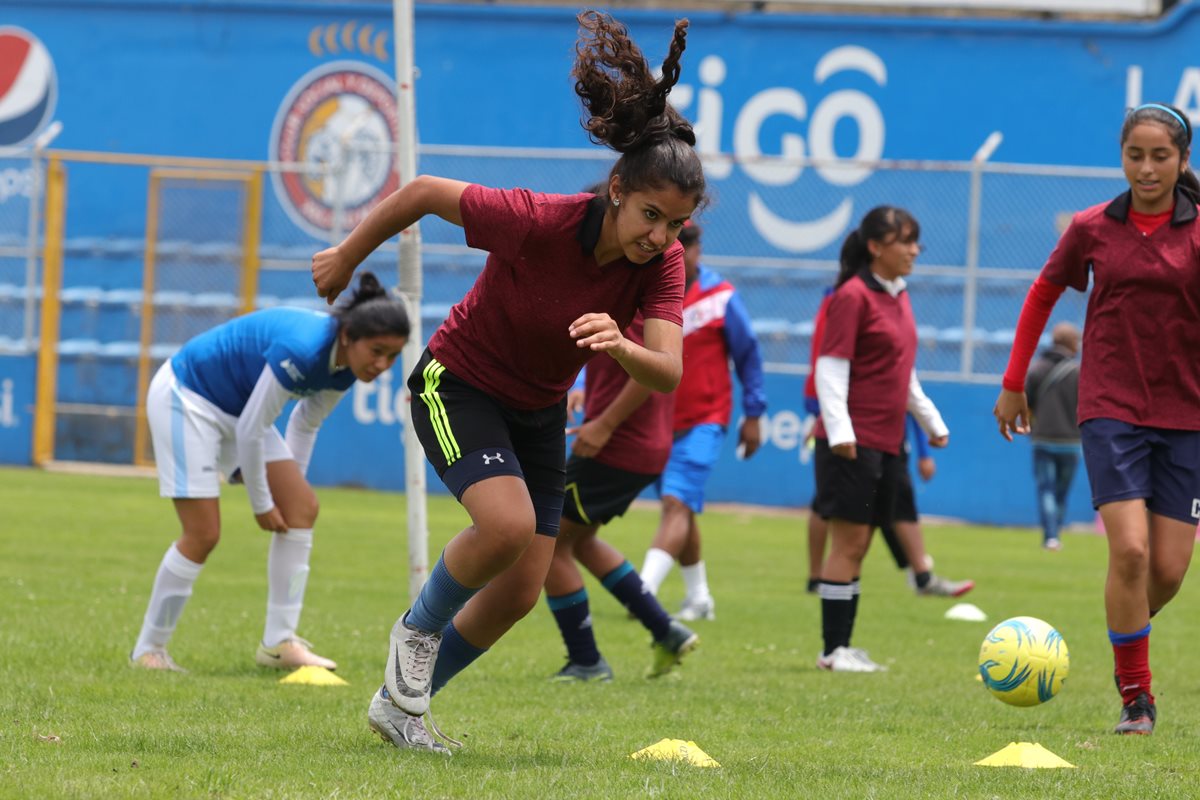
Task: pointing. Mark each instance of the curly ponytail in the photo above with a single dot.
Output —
(627, 108)
(372, 310)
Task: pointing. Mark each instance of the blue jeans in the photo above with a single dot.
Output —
(1054, 469)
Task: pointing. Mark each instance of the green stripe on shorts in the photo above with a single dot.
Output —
(437, 411)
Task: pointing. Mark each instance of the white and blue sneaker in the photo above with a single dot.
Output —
(409, 674)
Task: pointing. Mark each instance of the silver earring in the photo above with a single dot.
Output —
(616, 202)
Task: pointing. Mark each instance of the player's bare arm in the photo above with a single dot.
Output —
(332, 268)
(658, 365)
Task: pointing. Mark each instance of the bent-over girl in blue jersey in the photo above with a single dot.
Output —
(212, 409)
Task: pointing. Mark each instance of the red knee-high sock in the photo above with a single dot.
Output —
(1132, 660)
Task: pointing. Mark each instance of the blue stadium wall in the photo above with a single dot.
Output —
(211, 78)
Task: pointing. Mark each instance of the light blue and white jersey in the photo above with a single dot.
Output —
(224, 364)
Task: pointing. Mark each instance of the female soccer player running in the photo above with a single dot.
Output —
(212, 408)
(620, 449)
(1139, 381)
(564, 276)
(866, 382)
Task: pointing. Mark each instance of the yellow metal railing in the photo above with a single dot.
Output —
(248, 176)
(52, 263)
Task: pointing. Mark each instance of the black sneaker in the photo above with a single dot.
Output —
(1137, 717)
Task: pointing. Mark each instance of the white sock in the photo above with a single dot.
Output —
(656, 568)
(172, 588)
(695, 582)
(287, 575)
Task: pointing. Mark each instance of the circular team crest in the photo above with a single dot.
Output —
(342, 110)
(28, 86)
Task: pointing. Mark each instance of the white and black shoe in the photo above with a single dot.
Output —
(402, 730)
(409, 675)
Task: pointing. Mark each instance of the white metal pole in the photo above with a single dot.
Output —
(971, 284)
(410, 287)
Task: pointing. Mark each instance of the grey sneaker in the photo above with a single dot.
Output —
(403, 730)
(692, 610)
(409, 673)
(670, 650)
(578, 673)
(943, 587)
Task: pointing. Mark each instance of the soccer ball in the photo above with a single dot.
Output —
(1024, 661)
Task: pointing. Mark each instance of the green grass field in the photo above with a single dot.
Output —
(77, 557)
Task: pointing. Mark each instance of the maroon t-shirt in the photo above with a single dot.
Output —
(876, 333)
(1141, 336)
(642, 443)
(509, 335)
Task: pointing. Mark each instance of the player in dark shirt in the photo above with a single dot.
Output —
(564, 277)
(1138, 381)
(866, 383)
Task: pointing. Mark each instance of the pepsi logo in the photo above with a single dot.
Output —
(341, 120)
(28, 86)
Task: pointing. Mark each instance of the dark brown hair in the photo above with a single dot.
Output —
(1180, 129)
(627, 108)
(372, 310)
(881, 224)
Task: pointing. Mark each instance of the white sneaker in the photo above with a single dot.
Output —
(692, 609)
(156, 660)
(291, 654)
(409, 673)
(394, 726)
(848, 659)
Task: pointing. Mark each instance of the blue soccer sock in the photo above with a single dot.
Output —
(626, 585)
(440, 599)
(455, 655)
(573, 615)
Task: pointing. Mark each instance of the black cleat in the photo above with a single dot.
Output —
(1137, 717)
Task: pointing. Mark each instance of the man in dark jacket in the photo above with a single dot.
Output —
(1052, 387)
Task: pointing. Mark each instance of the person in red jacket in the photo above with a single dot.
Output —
(716, 330)
(1138, 382)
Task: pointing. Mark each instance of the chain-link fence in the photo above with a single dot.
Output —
(20, 204)
(170, 247)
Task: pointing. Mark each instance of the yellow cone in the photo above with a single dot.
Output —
(676, 750)
(313, 676)
(1024, 754)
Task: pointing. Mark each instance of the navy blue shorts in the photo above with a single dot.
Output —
(1126, 462)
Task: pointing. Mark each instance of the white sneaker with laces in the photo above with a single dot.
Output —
(402, 730)
(409, 673)
(292, 654)
(848, 659)
(698, 608)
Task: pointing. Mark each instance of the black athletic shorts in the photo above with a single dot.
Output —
(905, 508)
(862, 491)
(597, 492)
(469, 436)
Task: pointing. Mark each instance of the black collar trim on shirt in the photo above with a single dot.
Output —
(871, 281)
(1185, 207)
(591, 225)
(593, 221)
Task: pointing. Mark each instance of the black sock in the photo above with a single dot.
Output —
(574, 619)
(837, 608)
(626, 585)
(922, 578)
